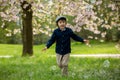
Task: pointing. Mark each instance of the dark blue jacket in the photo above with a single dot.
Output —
(62, 39)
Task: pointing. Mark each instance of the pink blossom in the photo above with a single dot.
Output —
(15, 18)
(92, 1)
(3, 24)
(90, 37)
(94, 17)
(112, 6)
(96, 32)
(8, 34)
(103, 34)
(98, 2)
(96, 37)
(16, 31)
(2, 14)
(25, 6)
(22, 0)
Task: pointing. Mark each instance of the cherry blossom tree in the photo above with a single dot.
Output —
(38, 16)
(10, 11)
(92, 15)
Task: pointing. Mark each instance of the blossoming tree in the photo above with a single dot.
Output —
(83, 14)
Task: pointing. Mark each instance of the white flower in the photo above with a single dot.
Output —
(53, 67)
(86, 76)
(106, 63)
(73, 74)
(101, 40)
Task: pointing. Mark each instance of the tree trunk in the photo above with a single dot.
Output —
(27, 34)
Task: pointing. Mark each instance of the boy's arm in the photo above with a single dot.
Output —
(78, 38)
(75, 37)
(50, 42)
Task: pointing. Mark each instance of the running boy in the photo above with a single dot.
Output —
(62, 36)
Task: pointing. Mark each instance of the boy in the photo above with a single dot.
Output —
(62, 36)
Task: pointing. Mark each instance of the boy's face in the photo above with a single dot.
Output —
(62, 24)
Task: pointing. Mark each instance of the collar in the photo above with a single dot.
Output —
(62, 30)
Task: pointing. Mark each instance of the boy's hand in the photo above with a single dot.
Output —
(87, 42)
(44, 49)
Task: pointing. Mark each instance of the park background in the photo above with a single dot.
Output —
(28, 22)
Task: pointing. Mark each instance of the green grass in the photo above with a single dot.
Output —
(96, 48)
(77, 48)
(43, 67)
(10, 49)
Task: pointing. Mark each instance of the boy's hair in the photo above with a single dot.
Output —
(60, 18)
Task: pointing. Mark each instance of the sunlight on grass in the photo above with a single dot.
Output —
(77, 48)
(95, 48)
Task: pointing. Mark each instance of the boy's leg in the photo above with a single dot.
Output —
(58, 58)
(62, 61)
(65, 61)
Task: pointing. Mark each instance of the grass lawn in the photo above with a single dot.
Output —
(43, 67)
(77, 48)
(96, 48)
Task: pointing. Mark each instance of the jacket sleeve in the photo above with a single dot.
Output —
(51, 40)
(75, 37)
